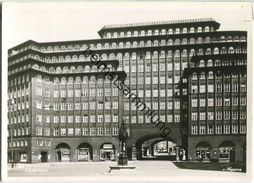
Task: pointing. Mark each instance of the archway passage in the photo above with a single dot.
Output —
(158, 148)
(63, 152)
(85, 152)
(107, 152)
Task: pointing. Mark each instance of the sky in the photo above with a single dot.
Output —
(60, 21)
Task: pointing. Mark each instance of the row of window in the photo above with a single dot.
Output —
(218, 115)
(219, 101)
(20, 143)
(219, 129)
(41, 143)
(227, 87)
(20, 131)
(18, 106)
(39, 118)
(163, 31)
(84, 131)
(92, 92)
(211, 74)
(19, 119)
(145, 119)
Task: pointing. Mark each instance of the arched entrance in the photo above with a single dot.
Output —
(158, 148)
(63, 152)
(85, 152)
(227, 152)
(203, 151)
(107, 152)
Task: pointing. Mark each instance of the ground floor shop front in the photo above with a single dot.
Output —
(206, 149)
(217, 149)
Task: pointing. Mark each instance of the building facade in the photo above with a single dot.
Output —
(62, 109)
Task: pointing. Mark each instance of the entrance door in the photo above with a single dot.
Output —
(44, 157)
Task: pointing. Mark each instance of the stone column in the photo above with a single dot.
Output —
(177, 153)
(134, 153)
(74, 155)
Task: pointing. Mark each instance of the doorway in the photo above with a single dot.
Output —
(44, 156)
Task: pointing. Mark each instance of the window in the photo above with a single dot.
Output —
(202, 102)
(92, 131)
(115, 118)
(63, 93)
(194, 102)
(218, 129)
(210, 88)
(85, 131)
(242, 114)
(243, 87)
(47, 131)
(38, 118)
(63, 119)
(210, 115)
(202, 129)
(194, 129)
(202, 89)
(85, 119)
(140, 119)
(243, 100)
(242, 128)
(56, 119)
(218, 88)
(115, 131)
(177, 118)
(194, 88)
(70, 119)
(218, 101)
(235, 87)
(234, 114)
(39, 142)
(107, 118)
(55, 131)
(235, 101)
(47, 92)
(210, 102)
(133, 119)
(63, 131)
(70, 131)
(227, 87)
(38, 130)
(218, 115)
(202, 116)
(77, 106)
(226, 115)
(194, 116)
(77, 118)
(227, 102)
(99, 131)
(210, 129)
(226, 129)
(107, 131)
(170, 105)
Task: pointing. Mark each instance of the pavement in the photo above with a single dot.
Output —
(148, 169)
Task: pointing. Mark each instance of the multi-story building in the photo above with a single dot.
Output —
(68, 112)
(215, 105)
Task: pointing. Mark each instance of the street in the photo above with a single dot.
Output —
(101, 169)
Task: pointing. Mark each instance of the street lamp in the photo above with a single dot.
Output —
(123, 136)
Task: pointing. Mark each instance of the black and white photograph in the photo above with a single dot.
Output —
(134, 91)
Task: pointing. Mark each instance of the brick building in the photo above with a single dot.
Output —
(62, 109)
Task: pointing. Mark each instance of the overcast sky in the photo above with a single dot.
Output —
(44, 22)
